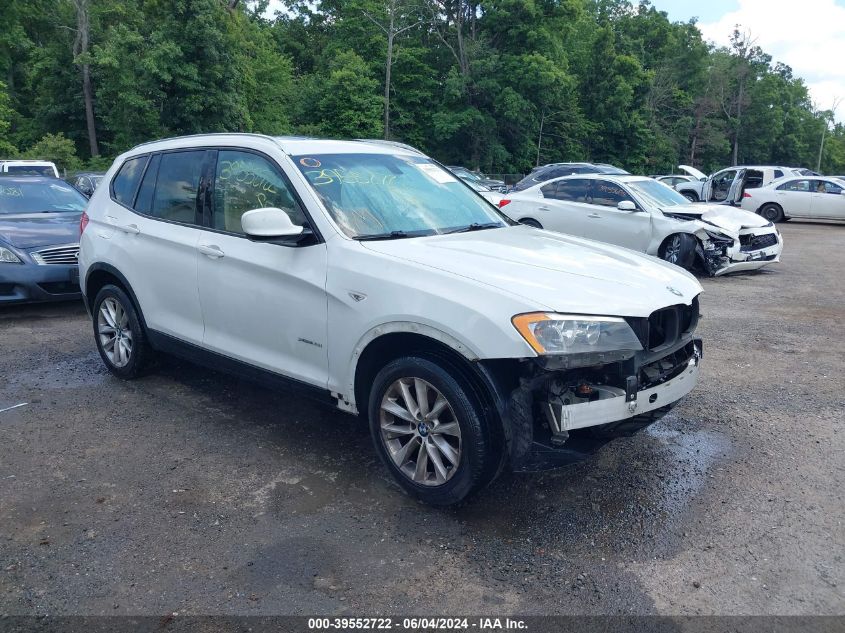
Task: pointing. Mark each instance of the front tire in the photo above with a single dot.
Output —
(690, 196)
(772, 212)
(119, 335)
(679, 249)
(429, 431)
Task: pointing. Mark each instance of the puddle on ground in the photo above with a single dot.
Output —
(626, 492)
(692, 454)
(80, 371)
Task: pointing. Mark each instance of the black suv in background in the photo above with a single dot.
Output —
(555, 170)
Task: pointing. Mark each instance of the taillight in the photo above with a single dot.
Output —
(83, 222)
(745, 194)
(503, 202)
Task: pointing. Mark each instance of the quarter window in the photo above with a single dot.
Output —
(608, 194)
(245, 181)
(175, 196)
(125, 184)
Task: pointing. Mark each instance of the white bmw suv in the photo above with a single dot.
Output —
(368, 276)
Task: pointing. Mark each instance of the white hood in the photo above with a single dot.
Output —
(552, 271)
(692, 171)
(722, 215)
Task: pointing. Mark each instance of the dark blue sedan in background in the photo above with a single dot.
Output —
(39, 239)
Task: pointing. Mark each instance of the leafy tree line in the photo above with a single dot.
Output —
(499, 85)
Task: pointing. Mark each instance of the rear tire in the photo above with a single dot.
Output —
(531, 222)
(119, 335)
(440, 452)
(772, 212)
(679, 249)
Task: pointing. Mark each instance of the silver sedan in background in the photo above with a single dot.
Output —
(818, 197)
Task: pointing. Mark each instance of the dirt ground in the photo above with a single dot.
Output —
(193, 492)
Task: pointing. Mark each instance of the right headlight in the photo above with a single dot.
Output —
(550, 333)
(8, 257)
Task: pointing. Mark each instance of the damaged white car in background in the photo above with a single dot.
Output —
(645, 215)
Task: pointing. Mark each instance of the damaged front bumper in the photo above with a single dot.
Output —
(561, 417)
(750, 249)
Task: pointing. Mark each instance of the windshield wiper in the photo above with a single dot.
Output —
(393, 235)
(475, 226)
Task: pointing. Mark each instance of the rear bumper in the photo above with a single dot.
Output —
(29, 283)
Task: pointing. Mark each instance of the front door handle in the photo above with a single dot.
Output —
(210, 250)
(593, 215)
(132, 229)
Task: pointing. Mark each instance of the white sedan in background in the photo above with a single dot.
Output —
(815, 197)
(648, 216)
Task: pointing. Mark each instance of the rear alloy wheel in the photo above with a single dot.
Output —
(430, 432)
(690, 196)
(531, 222)
(120, 338)
(679, 249)
(772, 212)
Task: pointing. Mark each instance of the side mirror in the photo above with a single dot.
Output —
(270, 223)
(626, 205)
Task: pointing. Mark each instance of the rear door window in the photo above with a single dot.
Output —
(796, 185)
(177, 186)
(125, 183)
(569, 190)
(144, 200)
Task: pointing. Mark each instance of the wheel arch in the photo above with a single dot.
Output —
(489, 380)
(100, 275)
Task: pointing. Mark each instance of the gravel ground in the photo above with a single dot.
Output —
(193, 492)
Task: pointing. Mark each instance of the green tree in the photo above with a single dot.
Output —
(57, 148)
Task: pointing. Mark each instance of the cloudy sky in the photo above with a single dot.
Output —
(808, 35)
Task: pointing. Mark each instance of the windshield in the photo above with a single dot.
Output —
(30, 170)
(39, 197)
(384, 195)
(656, 194)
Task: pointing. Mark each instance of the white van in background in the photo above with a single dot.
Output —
(29, 168)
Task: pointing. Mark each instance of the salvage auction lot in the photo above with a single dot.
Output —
(193, 492)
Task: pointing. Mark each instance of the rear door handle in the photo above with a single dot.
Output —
(132, 229)
(544, 208)
(593, 215)
(210, 250)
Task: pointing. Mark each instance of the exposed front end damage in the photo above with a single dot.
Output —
(558, 415)
(727, 245)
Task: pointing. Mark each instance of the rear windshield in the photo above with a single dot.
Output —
(30, 170)
(370, 195)
(39, 197)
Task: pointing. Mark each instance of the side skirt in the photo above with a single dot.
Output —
(219, 362)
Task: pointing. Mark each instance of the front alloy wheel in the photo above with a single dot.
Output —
(431, 430)
(679, 249)
(420, 431)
